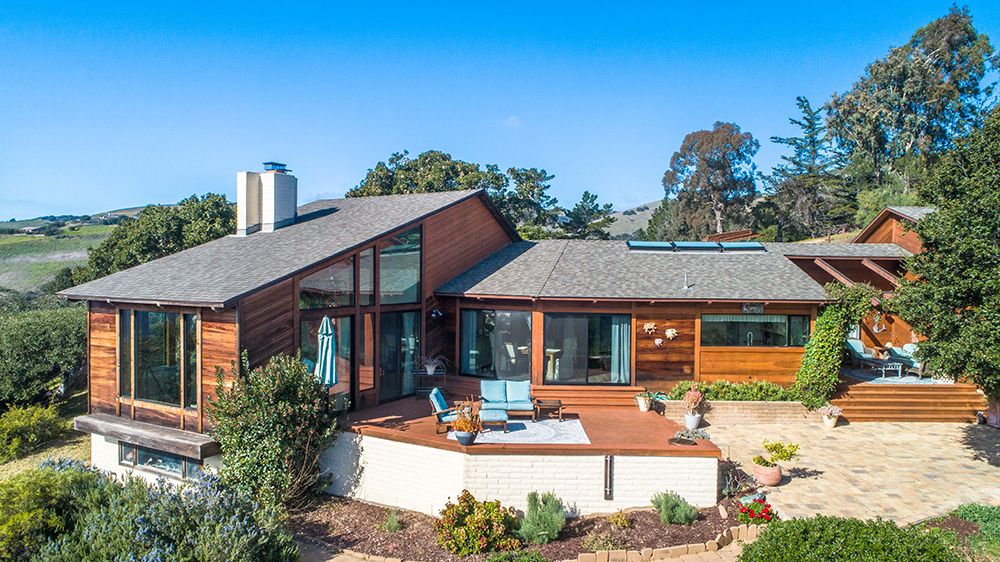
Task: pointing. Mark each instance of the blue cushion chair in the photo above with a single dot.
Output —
(859, 355)
(493, 394)
(904, 355)
(444, 415)
(519, 396)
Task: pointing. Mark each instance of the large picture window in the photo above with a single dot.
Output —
(399, 269)
(156, 351)
(754, 330)
(329, 287)
(588, 348)
(496, 344)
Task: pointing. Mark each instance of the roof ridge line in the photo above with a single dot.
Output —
(555, 263)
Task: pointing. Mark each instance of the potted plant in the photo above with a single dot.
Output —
(645, 399)
(432, 364)
(830, 415)
(693, 400)
(466, 426)
(766, 470)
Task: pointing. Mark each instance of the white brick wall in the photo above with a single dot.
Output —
(424, 478)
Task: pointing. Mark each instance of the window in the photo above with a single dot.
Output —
(496, 344)
(754, 330)
(366, 352)
(366, 274)
(308, 344)
(144, 458)
(157, 350)
(399, 269)
(329, 287)
(399, 350)
(588, 349)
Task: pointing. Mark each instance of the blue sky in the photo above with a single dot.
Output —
(128, 104)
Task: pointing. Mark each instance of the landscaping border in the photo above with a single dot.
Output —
(743, 411)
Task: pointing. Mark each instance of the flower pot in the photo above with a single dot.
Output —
(692, 421)
(431, 370)
(644, 403)
(830, 421)
(465, 438)
(767, 475)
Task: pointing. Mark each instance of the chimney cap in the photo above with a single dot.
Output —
(275, 167)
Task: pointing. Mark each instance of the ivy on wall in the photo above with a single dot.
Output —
(820, 372)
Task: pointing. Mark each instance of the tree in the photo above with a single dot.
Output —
(159, 231)
(910, 105)
(430, 171)
(588, 219)
(712, 176)
(954, 299)
(529, 203)
(39, 349)
(811, 152)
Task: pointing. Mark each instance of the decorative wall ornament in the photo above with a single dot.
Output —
(649, 328)
(670, 333)
(658, 342)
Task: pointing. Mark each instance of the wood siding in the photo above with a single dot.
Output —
(219, 350)
(660, 368)
(103, 358)
(743, 364)
(891, 229)
(267, 322)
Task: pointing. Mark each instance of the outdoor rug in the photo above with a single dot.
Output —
(542, 432)
(875, 377)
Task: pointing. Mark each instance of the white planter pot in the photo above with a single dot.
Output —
(830, 421)
(430, 370)
(644, 403)
(692, 421)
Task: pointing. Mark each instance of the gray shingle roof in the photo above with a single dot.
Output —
(915, 213)
(221, 271)
(824, 250)
(608, 270)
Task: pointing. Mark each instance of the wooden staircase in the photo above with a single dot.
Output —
(578, 395)
(864, 402)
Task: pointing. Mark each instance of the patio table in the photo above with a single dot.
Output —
(891, 366)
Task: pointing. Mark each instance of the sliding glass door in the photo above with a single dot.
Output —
(588, 349)
(399, 352)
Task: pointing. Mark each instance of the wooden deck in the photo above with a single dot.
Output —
(613, 430)
(867, 402)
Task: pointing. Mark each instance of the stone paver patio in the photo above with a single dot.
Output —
(906, 472)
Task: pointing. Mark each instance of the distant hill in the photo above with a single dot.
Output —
(630, 220)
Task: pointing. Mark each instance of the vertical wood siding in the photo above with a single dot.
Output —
(103, 360)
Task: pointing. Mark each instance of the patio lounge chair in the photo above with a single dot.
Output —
(509, 396)
(904, 355)
(445, 415)
(860, 355)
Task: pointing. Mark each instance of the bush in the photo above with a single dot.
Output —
(620, 520)
(273, 423)
(524, 556)
(38, 349)
(824, 538)
(391, 523)
(757, 512)
(544, 518)
(23, 429)
(673, 509)
(777, 451)
(764, 391)
(603, 540)
(42, 503)
(473, 527)
(197, 521)
(987, 541)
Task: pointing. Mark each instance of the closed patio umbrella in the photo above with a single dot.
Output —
(326, 356)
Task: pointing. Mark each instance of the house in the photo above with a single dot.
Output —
(402, 277)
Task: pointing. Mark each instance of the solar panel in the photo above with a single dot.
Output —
(650, 246)
(742, 246)
(695, 246)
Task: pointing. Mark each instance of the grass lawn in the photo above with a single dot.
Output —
(72, 444)
(27, 262)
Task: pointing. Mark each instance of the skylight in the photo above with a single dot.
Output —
(694, 246)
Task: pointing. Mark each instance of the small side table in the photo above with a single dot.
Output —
(547, 405)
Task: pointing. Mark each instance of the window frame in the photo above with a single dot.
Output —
(387, 243)
(631, 355)
(134, 464)
(461, 333)
(185, 315)
(807, 318)
(352, 271)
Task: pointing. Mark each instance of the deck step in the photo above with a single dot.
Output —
(863, 402)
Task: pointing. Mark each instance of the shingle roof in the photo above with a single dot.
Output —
(913, 213)
(221, 271)
(608, 270)
(833, 250)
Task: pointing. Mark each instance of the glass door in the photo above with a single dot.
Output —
(399, 352)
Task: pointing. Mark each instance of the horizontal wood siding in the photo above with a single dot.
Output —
(743, 364)
(660, 368)
(267, 322)
(103, 364)
(219, 350)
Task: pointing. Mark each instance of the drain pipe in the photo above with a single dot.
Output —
(609, 477)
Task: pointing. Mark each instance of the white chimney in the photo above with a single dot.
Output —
(265, 201)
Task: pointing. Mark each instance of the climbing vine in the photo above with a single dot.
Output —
(820, 372)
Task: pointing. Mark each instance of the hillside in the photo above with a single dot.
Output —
(630, 220)
(29, 261)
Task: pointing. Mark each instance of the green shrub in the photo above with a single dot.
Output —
(777, 451)
(473, 527)
(673, 509)
(38, 349)
(522, 556)
(23, 429)
(41, 504)
(823, 538)
(273, 424)
(764, 391)
(819, 374)
(544, 518)
(620, 520)
(603, 540)
(391, 523)
(987, 541)
(196, 521)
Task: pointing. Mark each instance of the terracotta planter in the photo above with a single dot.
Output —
(644, 403)
(767, 475)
